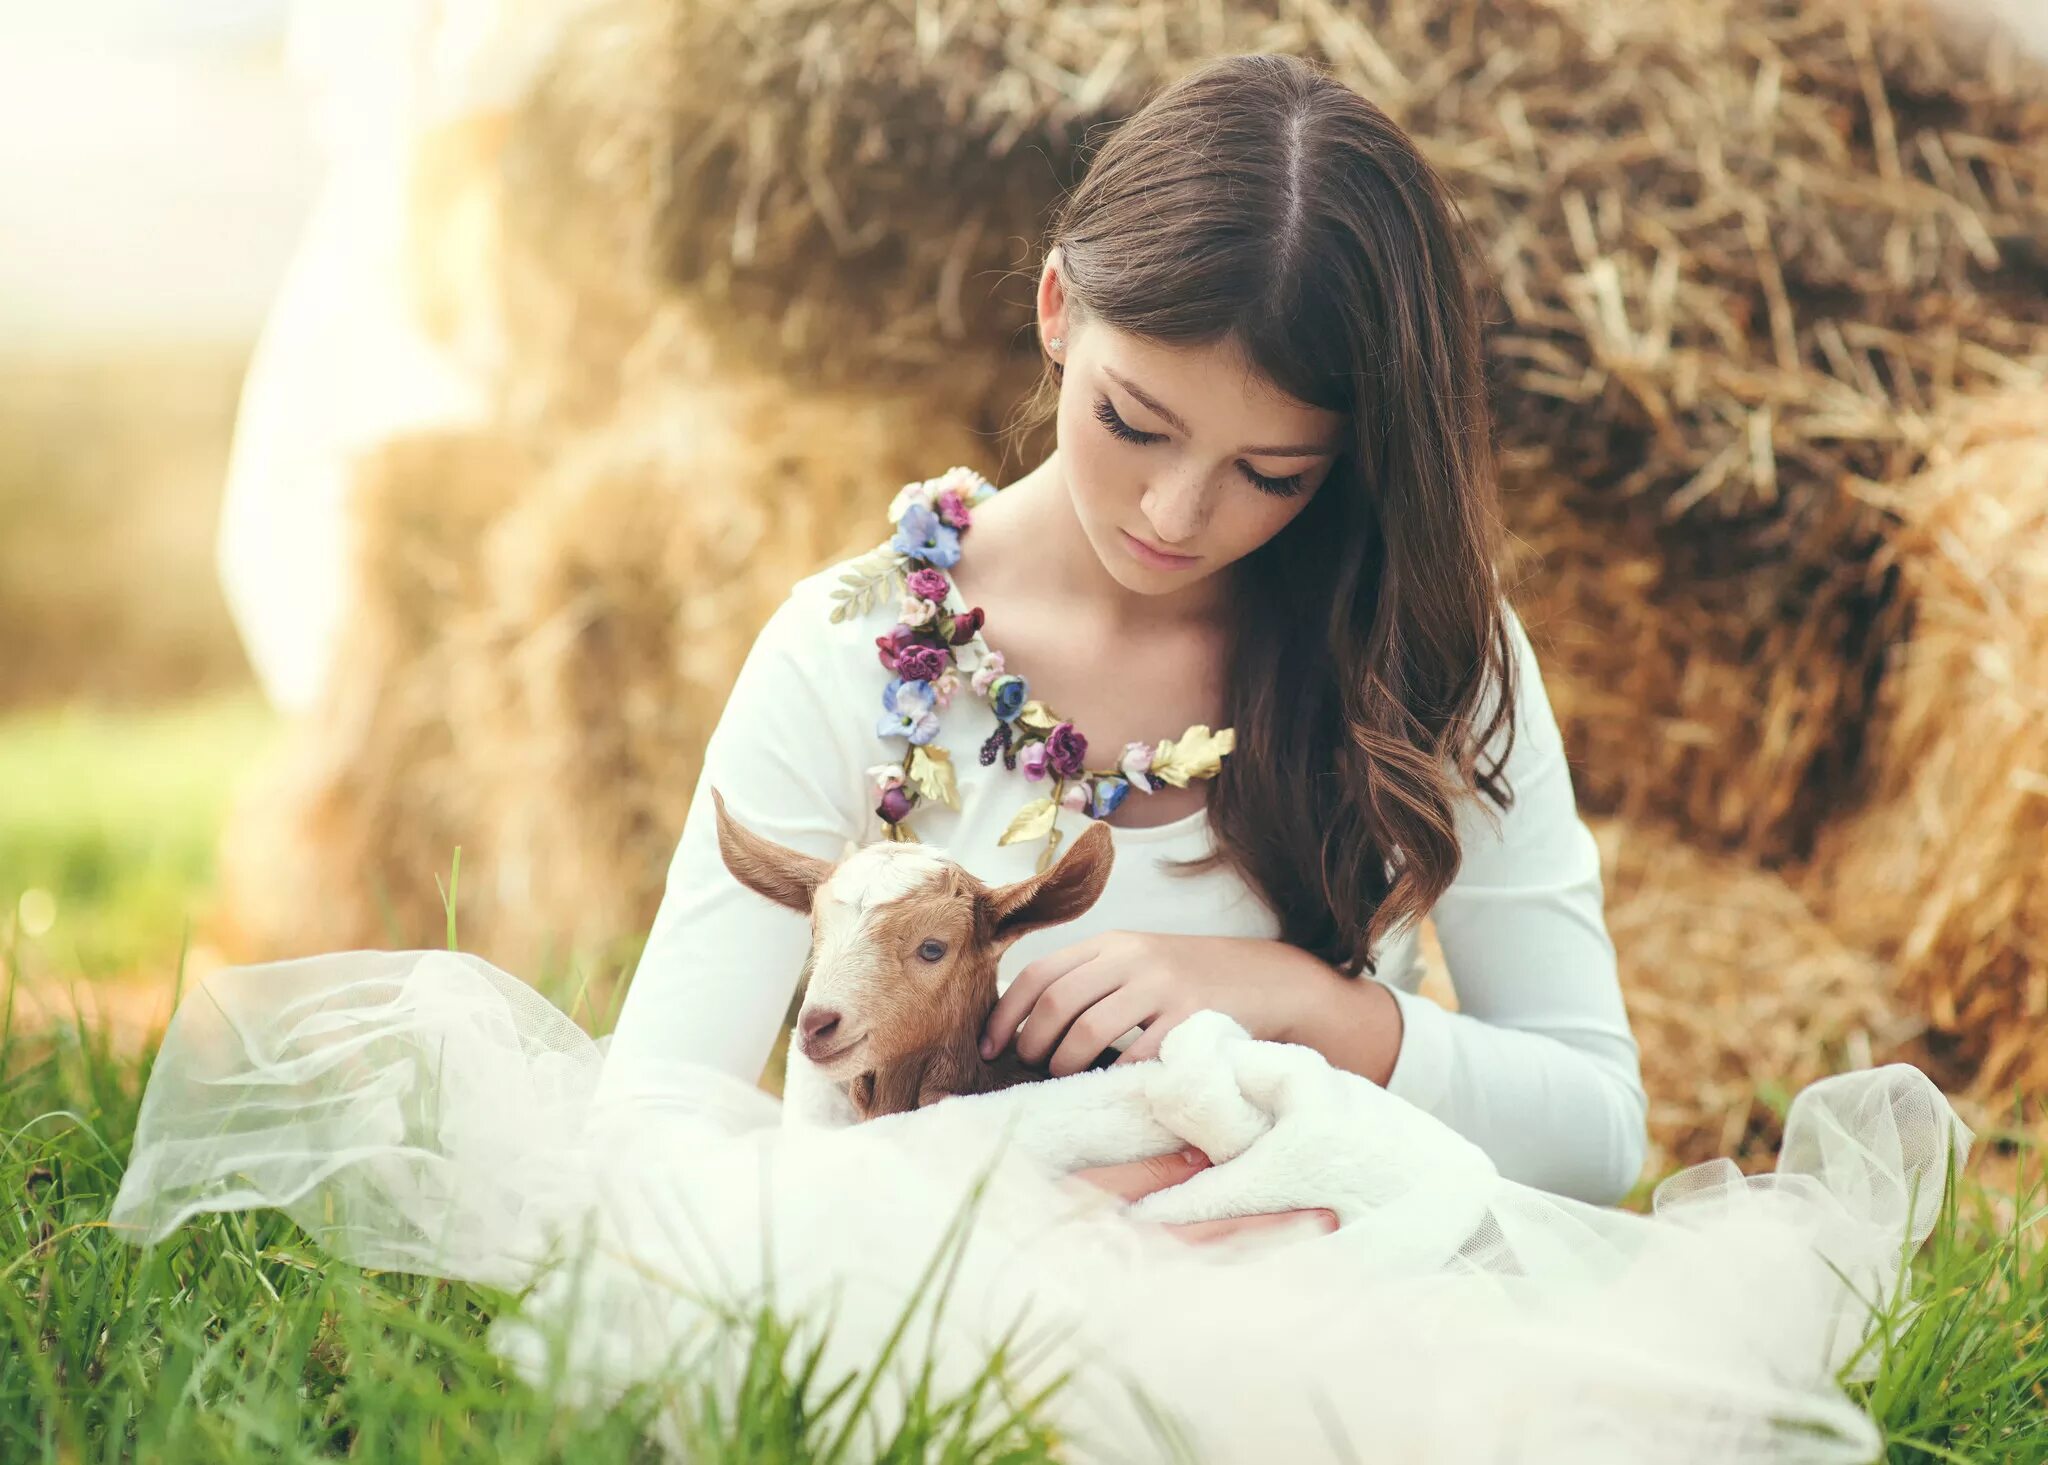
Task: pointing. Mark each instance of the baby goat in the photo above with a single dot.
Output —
(901, 974)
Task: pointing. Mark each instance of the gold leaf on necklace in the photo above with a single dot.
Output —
(1034, 819)
(1035, 714)
(1198, 754)
(866, 581)
(931, 772)
(1052, 845)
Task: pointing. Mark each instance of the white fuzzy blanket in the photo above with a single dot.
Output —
(1283, 1128)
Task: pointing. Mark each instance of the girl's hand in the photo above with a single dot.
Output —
(1141, 1177)
(1074, 1002)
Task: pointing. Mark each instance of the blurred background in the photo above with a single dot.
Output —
(410, 410)
(157, 170)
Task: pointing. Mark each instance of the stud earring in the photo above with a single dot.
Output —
(1055, 344)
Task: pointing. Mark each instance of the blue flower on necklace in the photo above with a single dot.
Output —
(1109, 792)
(921, 534)
(908, 711)
(1006, 695)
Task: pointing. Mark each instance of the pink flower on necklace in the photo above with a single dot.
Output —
(944, 685)
(1135, 764)
(953, 509)
(985, 675)
(917, 611)
(1032, 760)
(1075, 798)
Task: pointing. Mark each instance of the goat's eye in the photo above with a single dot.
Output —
(932, 950)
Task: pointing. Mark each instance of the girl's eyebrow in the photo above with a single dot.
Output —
(1296, 450)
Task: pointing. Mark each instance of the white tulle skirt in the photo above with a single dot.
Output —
(425, 1112)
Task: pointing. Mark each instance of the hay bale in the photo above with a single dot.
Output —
(1944, 868)
(1694, 700)
(620, 598)
(541, 647)
(1807, 222)
(339, 839)
(1742, 257)
(1738, 992)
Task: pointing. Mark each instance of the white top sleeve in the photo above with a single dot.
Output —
(721, 963)
(1538, 1067)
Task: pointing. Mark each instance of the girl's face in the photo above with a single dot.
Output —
(1180, 460)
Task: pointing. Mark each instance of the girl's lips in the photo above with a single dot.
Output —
(1157, 558)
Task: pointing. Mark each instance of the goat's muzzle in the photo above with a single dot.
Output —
(821, 1033)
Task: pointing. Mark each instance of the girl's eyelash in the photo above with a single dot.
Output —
(1279, 487)
(1109, 418)
(1107, 415)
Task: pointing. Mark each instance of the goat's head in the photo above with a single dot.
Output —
(904, 942)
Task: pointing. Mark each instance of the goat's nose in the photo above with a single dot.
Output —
(817, 1024)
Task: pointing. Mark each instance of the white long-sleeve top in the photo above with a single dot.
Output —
(1538, 1067)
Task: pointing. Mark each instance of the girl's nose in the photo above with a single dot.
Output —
(1176, 512)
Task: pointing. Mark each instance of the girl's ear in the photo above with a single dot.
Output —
(786, 876)
(1052, 299)
(1069, 888)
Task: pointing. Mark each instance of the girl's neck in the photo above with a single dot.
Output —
(1038, 510)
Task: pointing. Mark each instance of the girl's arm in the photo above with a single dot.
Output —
(721, 963)
(1538, 1066)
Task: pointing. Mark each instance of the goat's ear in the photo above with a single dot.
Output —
(1060, 894)
(786, 876)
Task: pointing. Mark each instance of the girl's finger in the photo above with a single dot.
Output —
(1148, 1042)
(1024, 991)
(1060, 1004)
(1109, 1018)
(1135, 1178)
(1202, 1232)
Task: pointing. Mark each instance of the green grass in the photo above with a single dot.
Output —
(239, 1340)
(108, 824)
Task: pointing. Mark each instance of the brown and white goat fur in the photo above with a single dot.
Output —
(901, 974)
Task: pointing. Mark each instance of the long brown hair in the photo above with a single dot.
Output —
(1259, 202)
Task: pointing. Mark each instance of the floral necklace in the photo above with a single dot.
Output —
(938, 640)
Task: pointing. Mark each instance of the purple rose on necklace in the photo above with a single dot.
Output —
(921, 663)
(1064, 750)
(1032, 760)
(891, 645)
(928, 585)
(920, 535)
(966, 626)
(895, 804)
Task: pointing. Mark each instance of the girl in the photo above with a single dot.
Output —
(1247, 613)
(1246, 616)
